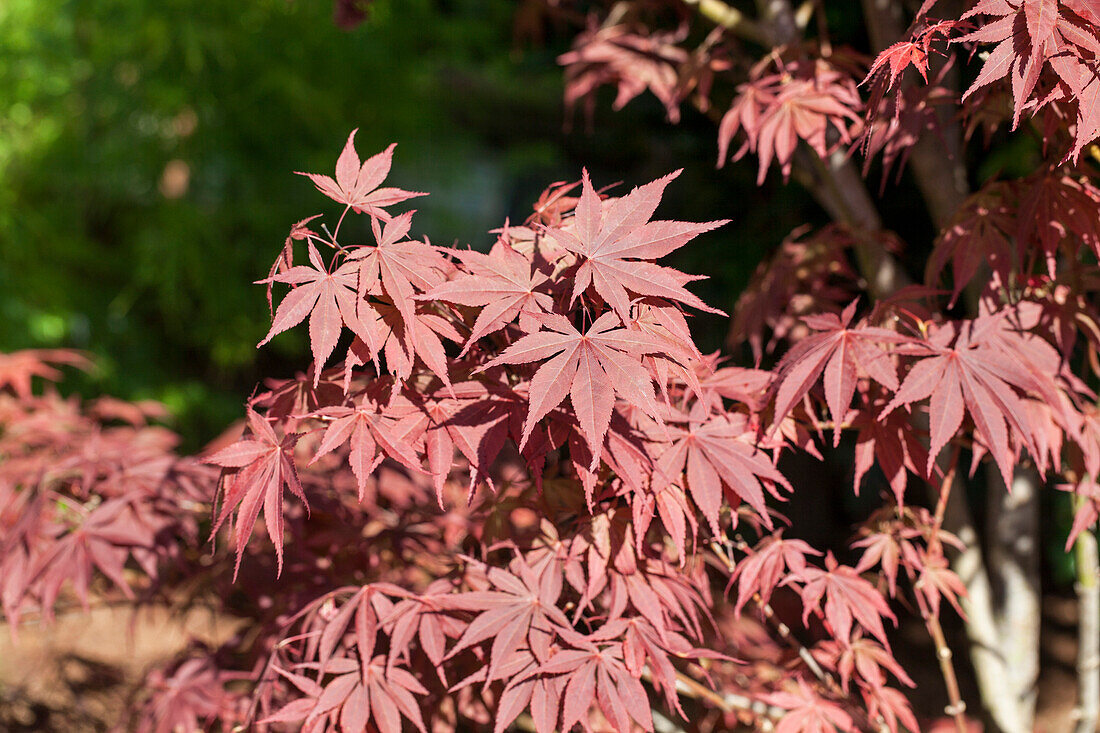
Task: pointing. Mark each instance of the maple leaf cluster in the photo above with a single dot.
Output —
(540, 455)
(91, 496)
(531, 437)
(1042, 54)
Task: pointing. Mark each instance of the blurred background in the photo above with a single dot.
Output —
(147, 151)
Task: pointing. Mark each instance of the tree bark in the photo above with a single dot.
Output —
(1013, 565)
(989, 662)
(1088, 633)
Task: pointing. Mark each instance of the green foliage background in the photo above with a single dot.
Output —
(147, 151)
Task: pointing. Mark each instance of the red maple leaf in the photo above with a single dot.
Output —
(716, 451)
(937, 581)
(632, 61)
(808, 712)
(893, 708)
(102, 541)
(367, 430)
(979, 235)
(191, 697)
(890, 442)
(972, 373)
(258, 468)
(801, 102)
(843, 354)
(18, 368)
(357, 185)
(399, 268)
(591, 368)
(521, 614)
(597, 675)
(861, 656)
(615, 240)
(360, 693)
(474, 420)
(761, 572)
(1031, 34)
(848, 598)
(328, 298)
(502, 282)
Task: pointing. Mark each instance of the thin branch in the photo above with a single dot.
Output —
(957, 707)
(727, 702)
(934, 544)
(730, 18)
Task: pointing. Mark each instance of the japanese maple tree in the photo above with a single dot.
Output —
(510, 490)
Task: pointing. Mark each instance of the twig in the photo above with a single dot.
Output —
(957, 707)
(730, 18)
(784, 631)
(934, 544)
(726, 702)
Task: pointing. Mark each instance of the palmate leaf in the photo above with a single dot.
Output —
(976, 370)
(365, 427)
(616, 241)
(18, 368)
(717, 452)
(102, 542)
(842, 354)
(808, 712)
(772, 560)
(474, 419)
(863, 658)
(596, 675)
(632, 61)
(327, 298)
(891, 443)
(591, 368)
(399, 268)
(357, 186)
(256, 470)
(502, 283)
(1032, 34)
(193, 694)
(808, 102)
(520, 614)
(848, 598)
(359, 694)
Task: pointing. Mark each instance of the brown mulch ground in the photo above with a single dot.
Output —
(78, 674)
